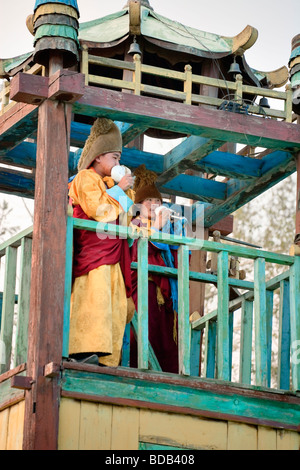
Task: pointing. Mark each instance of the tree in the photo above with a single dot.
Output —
(5, 210)
(269, 222)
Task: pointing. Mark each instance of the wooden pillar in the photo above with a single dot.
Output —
(298, 195)
(48, 273)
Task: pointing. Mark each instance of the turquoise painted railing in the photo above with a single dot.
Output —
(14, 300)
(213, 332)
(256, 304)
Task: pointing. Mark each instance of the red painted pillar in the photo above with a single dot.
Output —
(48, 271)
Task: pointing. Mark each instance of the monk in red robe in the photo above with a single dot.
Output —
(162, 317)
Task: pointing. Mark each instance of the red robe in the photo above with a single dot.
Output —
(162, 320)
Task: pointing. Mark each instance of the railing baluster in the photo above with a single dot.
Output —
(288, 104)
(210, 349)
(239, 89)
(246, 342)
(231, 323)
(195, 352)
(188, 84)
(223, 362)
(152, 361)
(295, 322)
(260, 313)
(184, 328)
(284, 343)
(85, 63)
(269, 320)
(137, 74)
(8, 306)
(23, 302)
(126, 347)
(143, 342)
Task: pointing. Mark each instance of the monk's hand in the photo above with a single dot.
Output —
(162, 218)
(126, 182)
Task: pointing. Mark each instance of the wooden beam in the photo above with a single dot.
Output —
(16, 183)
(231, 165)
(131, 132)
(184, 155)
(197, 188)
(240, 193)
(224, 226)
(251, 405)
(219, 163)
(18, 123)
(64, 85)
(191, 120)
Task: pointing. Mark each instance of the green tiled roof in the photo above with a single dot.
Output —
(10, 64)
(114, 27)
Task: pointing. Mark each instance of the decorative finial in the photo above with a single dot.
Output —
(294, 65)
(144, 3)
(55, 29)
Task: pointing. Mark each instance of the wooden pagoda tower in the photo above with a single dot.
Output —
(160, 79)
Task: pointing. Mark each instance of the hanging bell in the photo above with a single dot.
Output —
(234, 68)
(263, 102)
(134, 48)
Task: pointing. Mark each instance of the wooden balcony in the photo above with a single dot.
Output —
(204, 387)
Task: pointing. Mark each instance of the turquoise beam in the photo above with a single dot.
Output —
(195, 187)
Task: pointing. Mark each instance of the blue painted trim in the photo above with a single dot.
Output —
(201, 188)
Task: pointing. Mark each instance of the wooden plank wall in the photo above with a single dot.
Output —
(85, 425)
(11, 427)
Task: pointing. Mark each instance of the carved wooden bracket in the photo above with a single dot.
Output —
(64, 85)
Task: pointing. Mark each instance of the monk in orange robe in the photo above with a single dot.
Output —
(101, 290)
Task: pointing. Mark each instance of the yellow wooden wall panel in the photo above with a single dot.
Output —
(266, 438)
(15, 426)
(91, 426)
(95, 426)
(241, 436)
(287, 440)
(69, 420)
(125, 428)
(4, 418)
(182, 431)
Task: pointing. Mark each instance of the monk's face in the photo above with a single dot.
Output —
(148, 207)
(103, 164)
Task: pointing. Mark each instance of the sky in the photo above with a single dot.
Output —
(277, 23)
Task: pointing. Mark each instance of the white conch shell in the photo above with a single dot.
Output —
(118, 172)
